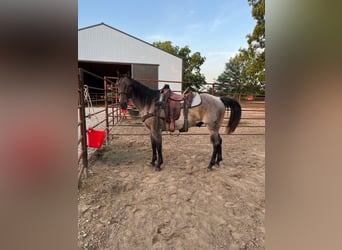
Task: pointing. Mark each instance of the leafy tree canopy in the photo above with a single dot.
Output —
(245, 72)
(191, 63)
(258, 13)
(256, 42)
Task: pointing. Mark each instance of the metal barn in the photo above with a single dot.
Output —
(104, 50)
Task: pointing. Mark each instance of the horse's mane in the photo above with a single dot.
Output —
(144, 94)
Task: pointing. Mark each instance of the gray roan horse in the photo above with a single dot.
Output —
(210, 112)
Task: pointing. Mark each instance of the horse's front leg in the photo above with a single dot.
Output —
(156, 140)
(160, 156)
(159, 147)
(154, 150)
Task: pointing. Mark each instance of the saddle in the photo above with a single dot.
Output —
(172, 105)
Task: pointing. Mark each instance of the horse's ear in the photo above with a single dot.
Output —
(128, 74)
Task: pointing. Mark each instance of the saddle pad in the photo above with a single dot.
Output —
(196, 100)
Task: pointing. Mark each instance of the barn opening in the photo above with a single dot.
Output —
(147, 72)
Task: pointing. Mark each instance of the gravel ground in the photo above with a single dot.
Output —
(125, 204)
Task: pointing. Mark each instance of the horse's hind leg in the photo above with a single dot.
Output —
(217, 149)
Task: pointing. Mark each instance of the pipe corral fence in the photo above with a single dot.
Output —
(98, 108)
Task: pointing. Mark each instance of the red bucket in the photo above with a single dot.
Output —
(95, 138)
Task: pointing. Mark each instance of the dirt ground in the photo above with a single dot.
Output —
(125, 204)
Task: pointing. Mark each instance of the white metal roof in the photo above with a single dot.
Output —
(103, 43)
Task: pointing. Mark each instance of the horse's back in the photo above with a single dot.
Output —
(212, 103)
(210, 110)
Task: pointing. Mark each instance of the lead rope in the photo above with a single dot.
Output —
(89, 102)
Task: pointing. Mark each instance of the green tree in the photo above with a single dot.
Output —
(254, 71)
(239, 76)
(191, 63)
(233, 77)
(258, 13)
(256, 44)
(245, 72)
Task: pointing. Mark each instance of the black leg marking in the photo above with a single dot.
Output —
(215, 141)
(156, 139)
(160, 156)
(213, 157)
(199, 124)
(154, 151)
(219, 151)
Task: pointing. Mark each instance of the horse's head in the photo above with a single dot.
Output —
(125, 91)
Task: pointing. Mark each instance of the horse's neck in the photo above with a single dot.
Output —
(137, 102)
(143, 101)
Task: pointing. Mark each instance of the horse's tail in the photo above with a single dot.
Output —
(235, 113)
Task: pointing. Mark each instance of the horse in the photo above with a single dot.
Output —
(210, 112)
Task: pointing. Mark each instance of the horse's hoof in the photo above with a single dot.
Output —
(210, 168)
(158, 169)
(152, 163)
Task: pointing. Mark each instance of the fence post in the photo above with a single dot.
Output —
(112, 102)
(106, 107)
(83, 125)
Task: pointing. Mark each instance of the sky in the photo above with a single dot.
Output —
(215, 28)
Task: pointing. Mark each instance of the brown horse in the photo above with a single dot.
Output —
(210, 111)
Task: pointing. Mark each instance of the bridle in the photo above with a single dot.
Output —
(123, 92)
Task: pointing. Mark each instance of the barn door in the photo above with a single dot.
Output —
(146, 71)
